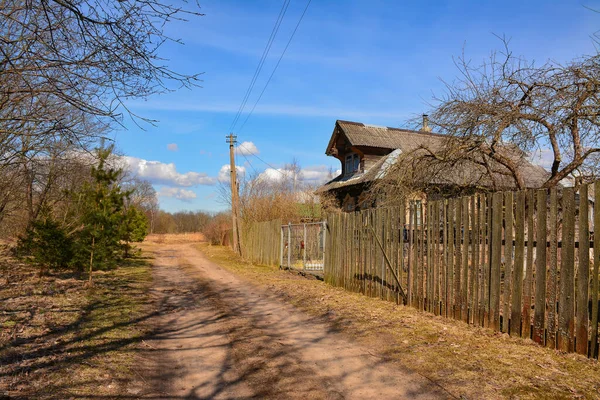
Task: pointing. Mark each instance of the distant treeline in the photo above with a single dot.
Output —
(213, 225)
(181, 221)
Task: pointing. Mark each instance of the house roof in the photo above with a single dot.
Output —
(359, 134)
(405, 141)
(376, 171)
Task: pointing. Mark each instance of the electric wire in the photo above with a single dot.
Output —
(266, 163)
(276, 65)
(259, 67)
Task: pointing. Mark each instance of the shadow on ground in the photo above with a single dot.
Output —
(199, 338)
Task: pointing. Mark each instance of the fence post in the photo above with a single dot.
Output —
(281, 247)
(304, 248)
(289, 244)
(324, 242)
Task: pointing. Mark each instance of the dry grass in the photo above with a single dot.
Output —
(468, 361)
(59, 339)
(161, 238)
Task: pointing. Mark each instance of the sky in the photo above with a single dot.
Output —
(376, 62)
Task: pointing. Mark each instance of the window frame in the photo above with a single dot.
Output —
(351, 163)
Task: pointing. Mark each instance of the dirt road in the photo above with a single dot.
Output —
(220, 337)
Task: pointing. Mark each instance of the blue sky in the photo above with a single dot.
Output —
(376, 62)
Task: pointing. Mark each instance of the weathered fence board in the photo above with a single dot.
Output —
(261, 242)
(496, 250)
(566, 305)
(517, 286)
(507, 261)
(595, 275)
(583, 274)
(508, 258)
(553, 270)
(539, 318)
(527, 284)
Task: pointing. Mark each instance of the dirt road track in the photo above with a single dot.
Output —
(219, 337)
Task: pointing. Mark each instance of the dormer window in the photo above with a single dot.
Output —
(352, 163)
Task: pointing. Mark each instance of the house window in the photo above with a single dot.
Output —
(352, 163)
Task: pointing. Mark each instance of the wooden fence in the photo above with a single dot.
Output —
(525, 263)
(261, 242)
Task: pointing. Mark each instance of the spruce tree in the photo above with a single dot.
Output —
(102, 205)
(134, 228)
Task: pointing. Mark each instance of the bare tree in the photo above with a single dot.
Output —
(509, 101)
(67, 68)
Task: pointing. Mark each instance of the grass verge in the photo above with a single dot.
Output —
(468, 361)
(60, 339)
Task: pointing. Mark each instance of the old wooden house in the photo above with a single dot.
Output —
(367, 151)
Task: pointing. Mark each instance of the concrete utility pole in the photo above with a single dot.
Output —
(231, 139)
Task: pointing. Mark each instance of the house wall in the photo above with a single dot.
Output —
(368, 161)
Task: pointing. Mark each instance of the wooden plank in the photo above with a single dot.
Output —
(583, 274)
(389, 236)
(437, 262)
(363, 256)
(400, 242)
(566, 302)
(357, 254)
(370, 254)
(351, 252)
(487, 262)
(450, 257)
(476, 262)
(413, 251)
(380, 264)
(473, 267)
(431, 245)
(415, 255)
(595, 273)
(386, 281)
(421, 257)
(508, 258)
(410, 263)
(464, 280)
(552, 269)
(517, 286)
(428, 260)
(482, 260)
(386, 259)
(496, 255)
(539, 318)
(444, 258)
(383, 236)
(458, 261)
(528, 283)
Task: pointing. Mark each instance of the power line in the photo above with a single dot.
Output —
(249, 163)
(266, 163)
(263, 58)
(276, 65)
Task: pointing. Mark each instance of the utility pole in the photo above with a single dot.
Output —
(231, 139)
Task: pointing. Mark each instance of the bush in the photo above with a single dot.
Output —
(216, 230)
(46, 244)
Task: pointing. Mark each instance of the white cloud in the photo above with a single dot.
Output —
(177, 193)
(225, 172)
(318, 174)
(274, 175)
(247, 149)
(172, 147)
(311, 175)
(166, 174)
